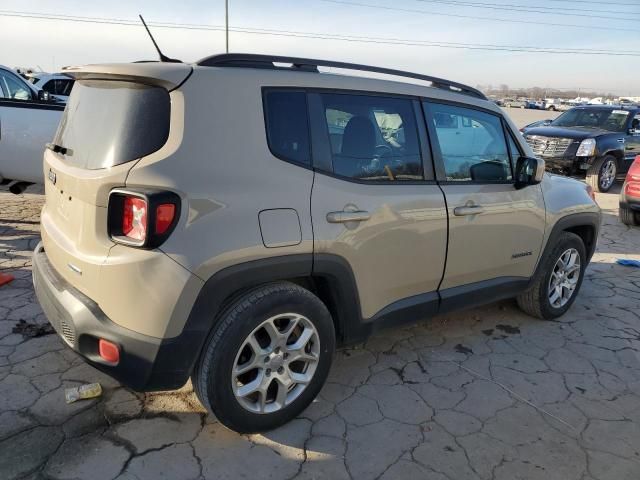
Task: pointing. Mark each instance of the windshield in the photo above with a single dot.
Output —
(603, 118)
(108, 123)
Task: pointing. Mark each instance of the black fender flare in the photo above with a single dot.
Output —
(568, 223)
(177, 356)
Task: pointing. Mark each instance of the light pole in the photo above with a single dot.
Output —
(226, 24)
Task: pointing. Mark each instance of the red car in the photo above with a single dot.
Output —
(630, 195)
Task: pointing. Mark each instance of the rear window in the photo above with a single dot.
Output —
(108, 123)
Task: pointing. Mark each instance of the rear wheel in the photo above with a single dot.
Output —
(266, 359)
(602, 174)
(629, 217)
(558, 280)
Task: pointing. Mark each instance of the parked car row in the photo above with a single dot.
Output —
(551, 104)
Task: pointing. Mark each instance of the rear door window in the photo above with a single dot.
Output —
(472, 144)
(108, 123)
(373, 138)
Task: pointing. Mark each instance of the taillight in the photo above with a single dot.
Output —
(142, 218)
(165, 213)
(134, 218)
(634, 170)
(632, 189)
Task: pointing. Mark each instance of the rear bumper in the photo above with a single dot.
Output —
(146, 363)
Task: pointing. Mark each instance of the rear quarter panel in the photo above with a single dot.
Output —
(226, 175)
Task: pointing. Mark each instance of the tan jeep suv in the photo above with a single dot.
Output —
(234, 220)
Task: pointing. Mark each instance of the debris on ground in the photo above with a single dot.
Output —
(90, 390)
(508, 329)
(462, 349)
(32, 330)
(5, 278)
(627, 262)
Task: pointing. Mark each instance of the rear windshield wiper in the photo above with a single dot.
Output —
(59, 149)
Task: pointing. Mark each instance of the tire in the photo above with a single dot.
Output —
(629, 217)
(536, 300)
(552, 108)
(597, 170)
(273, 305)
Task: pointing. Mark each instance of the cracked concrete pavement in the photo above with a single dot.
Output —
(487, 393)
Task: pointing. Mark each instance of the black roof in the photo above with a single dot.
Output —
(247, 60)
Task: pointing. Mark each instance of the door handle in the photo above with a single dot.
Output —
(468, 210)
(344, 216)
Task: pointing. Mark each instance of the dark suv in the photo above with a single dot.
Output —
(600, 141)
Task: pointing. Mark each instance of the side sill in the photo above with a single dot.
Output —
(481, 293)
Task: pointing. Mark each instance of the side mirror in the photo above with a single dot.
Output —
(43, 96)
(547, 121)
(529, 171)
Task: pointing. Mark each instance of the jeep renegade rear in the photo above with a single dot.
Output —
(234, 220)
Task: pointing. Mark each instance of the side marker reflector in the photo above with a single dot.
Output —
(108, 351)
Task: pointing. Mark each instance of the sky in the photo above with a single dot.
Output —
(568, 25)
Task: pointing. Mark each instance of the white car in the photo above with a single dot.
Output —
(58, 85)
(28, 121)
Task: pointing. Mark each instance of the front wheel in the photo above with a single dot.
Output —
(602, 174)
(558, 280)
(266, 359)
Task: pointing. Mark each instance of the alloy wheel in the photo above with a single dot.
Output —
(275, 363)
(607, 174)
(564, 278)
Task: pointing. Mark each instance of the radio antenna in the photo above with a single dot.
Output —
(163, 57)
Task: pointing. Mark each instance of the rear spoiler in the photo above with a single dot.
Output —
(167, 75)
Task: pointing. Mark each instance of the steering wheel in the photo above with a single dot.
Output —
(382, 150)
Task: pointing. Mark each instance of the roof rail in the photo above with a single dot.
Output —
(249, 60)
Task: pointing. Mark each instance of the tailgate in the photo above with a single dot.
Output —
(116, 114)
(74, 219)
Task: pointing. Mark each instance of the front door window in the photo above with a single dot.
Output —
(472, 144)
